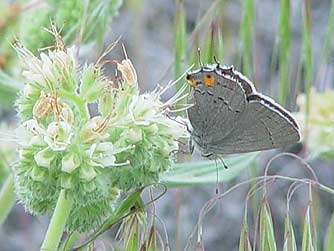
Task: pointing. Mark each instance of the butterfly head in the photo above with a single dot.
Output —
(205, 76)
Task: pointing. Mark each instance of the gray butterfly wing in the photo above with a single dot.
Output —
(263, 125)
(216, 109)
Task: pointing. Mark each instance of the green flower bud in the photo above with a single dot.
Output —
(87, 173)
(38, 174)
(66, 181)
(43, 158)
(25, 107)
(67, 114)
(90, 74)
(58, 135)
(95, 93)
(24, 153)
(106, 102)
(133, 135)
(94, 130)
(31, 91)
(89, 187)
(152, 129)
(70, 162)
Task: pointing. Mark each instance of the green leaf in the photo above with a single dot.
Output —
(289, 236)
(244, 243)
(193, 54)
(151, 239)
(219, 44)
(307, 54)
(206, 172)
(131, 233)
(208, 50)
(283, 35)
(127, 203)
(307, 243)
(329, 237)
(325, 51)
(266, 231)
(246, 33)
(179, 40)
(213, 43)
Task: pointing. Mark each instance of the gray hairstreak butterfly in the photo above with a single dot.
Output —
(229, 116)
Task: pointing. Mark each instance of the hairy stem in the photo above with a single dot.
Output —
(58, 222)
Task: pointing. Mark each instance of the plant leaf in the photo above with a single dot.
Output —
(244, 243)
(307, 244)
(329, 237)
(179, 41)
(307, 54)
(246, 33)
(266, 232)
(289, 236)
(206, 172)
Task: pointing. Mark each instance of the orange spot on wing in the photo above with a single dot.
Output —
(208, 80)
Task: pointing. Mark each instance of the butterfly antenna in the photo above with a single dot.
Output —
(199, 57)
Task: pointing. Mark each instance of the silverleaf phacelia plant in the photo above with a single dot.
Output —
(91, 157)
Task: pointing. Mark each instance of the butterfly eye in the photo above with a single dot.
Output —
(208, 80)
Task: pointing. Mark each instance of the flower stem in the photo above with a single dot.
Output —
(79, 103)
(69, 242)
(7, 198)
(58, 222)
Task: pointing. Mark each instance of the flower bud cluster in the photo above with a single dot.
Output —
(92, 157)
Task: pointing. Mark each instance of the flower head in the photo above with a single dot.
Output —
(64, 147)
(320, 124)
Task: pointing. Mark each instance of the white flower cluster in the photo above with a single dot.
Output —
(62, 146)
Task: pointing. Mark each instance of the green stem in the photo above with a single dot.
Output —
(69, 242)
(58, 222)
(79, 103)
(7, 198)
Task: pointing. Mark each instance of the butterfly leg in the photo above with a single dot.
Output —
(191, 145)
(173, 153)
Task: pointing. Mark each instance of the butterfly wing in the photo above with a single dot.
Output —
(263, 125)
(216, 108)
